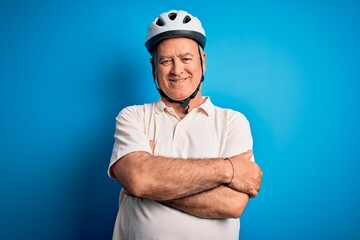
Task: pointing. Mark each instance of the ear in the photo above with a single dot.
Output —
(153, 67)
(203, 55)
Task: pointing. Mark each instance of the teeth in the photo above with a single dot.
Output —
(178, 80)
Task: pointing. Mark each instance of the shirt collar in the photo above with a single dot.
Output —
(207, 107)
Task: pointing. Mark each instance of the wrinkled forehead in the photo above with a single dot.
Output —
(177, 45)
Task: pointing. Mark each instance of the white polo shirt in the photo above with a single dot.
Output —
(206, 132)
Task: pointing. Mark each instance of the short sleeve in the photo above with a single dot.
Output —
(239, 138)
(129, 134)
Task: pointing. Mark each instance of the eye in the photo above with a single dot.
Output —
(186, 60)
(166, 62)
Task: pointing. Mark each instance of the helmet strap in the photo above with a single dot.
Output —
(185, 102)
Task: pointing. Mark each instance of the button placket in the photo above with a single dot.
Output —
(179, 133)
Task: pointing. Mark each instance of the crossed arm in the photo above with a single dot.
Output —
(220, 202)
(199, 187)
(195, 186)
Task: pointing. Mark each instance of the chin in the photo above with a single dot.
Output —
(180, 97)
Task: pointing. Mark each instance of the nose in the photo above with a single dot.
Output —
(177, 68)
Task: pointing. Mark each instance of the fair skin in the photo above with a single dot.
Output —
(178, 71)
(196, 186)
(220, 202)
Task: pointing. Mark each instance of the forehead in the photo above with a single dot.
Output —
(177, 46)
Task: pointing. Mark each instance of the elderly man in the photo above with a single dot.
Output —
(185, 165)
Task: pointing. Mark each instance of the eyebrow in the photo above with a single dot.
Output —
(163, 57)
(186, 55)
(181, 56)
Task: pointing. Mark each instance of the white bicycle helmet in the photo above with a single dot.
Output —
(175, 23)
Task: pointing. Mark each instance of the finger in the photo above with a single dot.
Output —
(248, 154)
(152, 146)
(259, 179)
(255, 186)
(258, 186)
(253, 193)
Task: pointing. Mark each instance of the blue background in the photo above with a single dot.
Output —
(68, 67)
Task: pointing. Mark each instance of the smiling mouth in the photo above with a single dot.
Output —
(178, 80)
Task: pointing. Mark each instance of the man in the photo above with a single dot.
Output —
(185, 165)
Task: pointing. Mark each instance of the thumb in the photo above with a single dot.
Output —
(248, 154)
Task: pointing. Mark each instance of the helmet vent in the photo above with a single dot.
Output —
(160, 22)
(187, 19)
(172, 16)
(173, 24)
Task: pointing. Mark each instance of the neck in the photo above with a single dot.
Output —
(180, 111)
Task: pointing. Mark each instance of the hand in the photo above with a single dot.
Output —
(247, 174)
